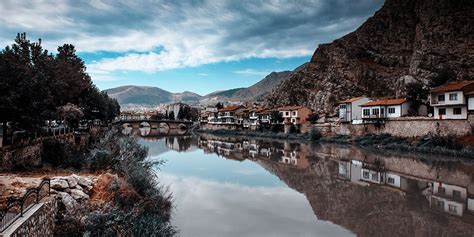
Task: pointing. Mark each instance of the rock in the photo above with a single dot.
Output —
(83, 181)
(59, 184)
(67, 190)
(78, 194)
(433, 38)
(71, 181)
(68, 201)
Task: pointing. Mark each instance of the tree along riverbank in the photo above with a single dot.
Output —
(450, 146)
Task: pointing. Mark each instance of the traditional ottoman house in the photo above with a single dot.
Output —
(228, 115)
(453, 101)
(295, 115)
(350, 110)
(385, 108)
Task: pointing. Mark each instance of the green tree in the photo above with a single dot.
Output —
(416, 93)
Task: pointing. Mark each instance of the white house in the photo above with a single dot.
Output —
(452, 101)
(350, 110)
(295, 114)
(386, 108)
(393, 180)
(372, 176)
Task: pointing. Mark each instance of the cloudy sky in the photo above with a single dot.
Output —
(195, 45)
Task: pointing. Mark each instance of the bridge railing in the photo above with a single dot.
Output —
(15, 207)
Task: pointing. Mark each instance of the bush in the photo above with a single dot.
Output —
(314, 134)
(313, 118)
(56, 153)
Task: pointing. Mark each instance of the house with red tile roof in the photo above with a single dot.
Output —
(453, 100)
(228, 115)
(295, 115)
(350, 110)
(385, 108)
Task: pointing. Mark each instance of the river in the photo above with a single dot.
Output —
(224, 186)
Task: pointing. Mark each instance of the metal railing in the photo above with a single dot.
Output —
(15, 207)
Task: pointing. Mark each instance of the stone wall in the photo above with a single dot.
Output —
(208, 126)
(28, 153)
(38, 221)
(402, 127)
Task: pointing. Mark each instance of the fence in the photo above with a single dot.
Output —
(17, 206)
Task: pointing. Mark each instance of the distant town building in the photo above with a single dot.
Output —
(453, 101)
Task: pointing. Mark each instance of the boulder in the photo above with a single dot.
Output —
(78, 194)
(59, 184)
(71, 181)
(83, 181)
(68, 201)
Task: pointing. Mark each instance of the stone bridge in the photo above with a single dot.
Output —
(156, 124)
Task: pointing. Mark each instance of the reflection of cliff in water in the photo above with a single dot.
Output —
(370, 194)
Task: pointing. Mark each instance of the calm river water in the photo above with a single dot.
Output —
(250, 187)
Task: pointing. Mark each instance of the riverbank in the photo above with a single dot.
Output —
(433, 145)
(125, 200)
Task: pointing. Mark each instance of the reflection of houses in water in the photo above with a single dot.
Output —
(441, 197)
(448, 198)
(250, 149)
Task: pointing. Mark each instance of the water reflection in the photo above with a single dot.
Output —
(369, 194)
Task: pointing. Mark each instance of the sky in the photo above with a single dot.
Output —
(196, 45)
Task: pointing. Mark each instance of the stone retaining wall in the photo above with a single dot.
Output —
(28, 154)
(402, 127)
(38, 221)
(208, 126)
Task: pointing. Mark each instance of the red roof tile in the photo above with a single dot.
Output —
(350, 100)
(384, 102)
(456, 86)
(230, 108)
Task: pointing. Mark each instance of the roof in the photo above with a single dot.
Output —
(350, 100)
(455, 86)
(294, 107)
(384, 102)
(471, 93)
(230, 108)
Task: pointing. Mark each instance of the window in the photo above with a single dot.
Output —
(452, 208)
(366, 112)
(441, 97)
(442, 111)
(457, 111)
(375, 111)
(441, 190)
(440, 203)
(391, 180)
(456, 194)
(294, 113)
(366, 175)
(342, 106)
(287, 113)
(453, 96)
(391, 110)
(375, 177)
(382, 111)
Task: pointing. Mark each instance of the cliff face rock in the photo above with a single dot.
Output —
(404, 41)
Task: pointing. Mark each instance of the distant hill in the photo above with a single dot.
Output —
(256, 92)
(146, 96)
(131, 97)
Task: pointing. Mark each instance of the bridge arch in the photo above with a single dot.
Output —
(145, 124)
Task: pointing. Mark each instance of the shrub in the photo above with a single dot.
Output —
(313, 118)
(314, 134)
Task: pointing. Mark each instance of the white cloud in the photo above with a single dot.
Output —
(251, 72)
(161, 35)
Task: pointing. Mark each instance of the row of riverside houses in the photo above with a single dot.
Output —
(450, 101)
(255, 118)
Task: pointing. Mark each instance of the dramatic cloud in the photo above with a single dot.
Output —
(153, 36)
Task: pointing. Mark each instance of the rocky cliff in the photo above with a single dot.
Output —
(404, 41)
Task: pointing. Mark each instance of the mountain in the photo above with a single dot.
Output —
(145, 96)
(256, 92)
(405, 41)
(133, 97)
